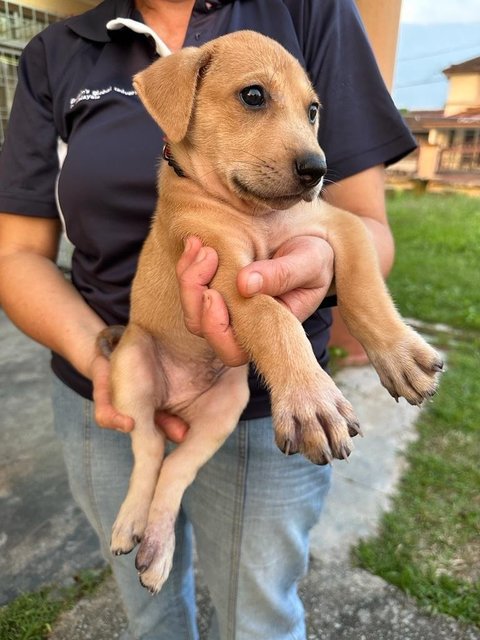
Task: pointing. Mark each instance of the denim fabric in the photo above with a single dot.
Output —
(251, 510)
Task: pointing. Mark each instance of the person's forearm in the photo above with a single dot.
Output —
(44, 305)
(364, 195)
(384, 243)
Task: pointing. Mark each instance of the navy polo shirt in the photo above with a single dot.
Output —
(81, 146)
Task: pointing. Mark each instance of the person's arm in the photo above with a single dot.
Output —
(364, 195)
(36, 296)
(44, 304)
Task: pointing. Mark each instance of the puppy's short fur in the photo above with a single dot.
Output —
(241, 118)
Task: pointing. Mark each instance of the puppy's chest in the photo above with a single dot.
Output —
(280, 226)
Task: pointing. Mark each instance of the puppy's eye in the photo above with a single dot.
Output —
(313, 112)
(253, 96)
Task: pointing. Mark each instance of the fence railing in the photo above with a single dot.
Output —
(460, 159)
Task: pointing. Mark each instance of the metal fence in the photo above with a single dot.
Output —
(18, 24)
(460, 159)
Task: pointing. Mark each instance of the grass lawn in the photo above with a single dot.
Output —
(31, 615)
(429, 543)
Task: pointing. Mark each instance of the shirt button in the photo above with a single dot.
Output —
(197, 35)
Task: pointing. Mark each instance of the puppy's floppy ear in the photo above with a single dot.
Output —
(167, 89)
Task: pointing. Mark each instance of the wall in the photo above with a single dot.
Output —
(60, 7)
(463, 92)
(381, 21)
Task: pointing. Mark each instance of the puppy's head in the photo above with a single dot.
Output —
(239, 111)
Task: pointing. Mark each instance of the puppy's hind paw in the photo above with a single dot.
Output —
(155, 555)
(127, 530)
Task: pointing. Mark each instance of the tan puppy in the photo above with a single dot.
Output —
(241, 119)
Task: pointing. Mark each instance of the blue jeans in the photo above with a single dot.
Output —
(251, 509)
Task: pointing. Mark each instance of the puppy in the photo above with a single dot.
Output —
(241, 120)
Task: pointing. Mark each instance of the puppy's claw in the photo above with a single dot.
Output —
(344, 452)
(148, 588)
(289, 448)
(326, 459)
(355, 429)
(438, 366)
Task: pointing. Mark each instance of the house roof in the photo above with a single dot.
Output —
(422, 121)
(468, 119)
(416, 120)
(469, 66)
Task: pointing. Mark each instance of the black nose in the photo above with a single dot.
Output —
(310, 169)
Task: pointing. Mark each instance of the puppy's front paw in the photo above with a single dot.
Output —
(155, 554)
(408, 369)
(128, 528)
(316, 421)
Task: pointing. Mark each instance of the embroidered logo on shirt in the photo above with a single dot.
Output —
(96, 94)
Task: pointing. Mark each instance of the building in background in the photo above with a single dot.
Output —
(19, 22)
(448, 155)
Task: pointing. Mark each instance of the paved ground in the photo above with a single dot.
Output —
(44, 539)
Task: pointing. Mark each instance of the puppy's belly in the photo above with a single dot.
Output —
(187, 380)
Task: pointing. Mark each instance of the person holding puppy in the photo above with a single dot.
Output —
(81, 149)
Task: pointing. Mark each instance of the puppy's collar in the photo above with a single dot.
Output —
(167, 155)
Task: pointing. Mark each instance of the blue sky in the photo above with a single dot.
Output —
(438, 11)
(433, 35)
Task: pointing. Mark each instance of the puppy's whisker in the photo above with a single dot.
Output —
(262, 160)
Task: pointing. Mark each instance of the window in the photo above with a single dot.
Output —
(18, 24)
(8, 81)
(469, 136)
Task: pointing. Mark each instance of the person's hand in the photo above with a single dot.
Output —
(108, 417)
(299, 276)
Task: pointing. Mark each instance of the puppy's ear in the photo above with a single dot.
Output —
(167, 89)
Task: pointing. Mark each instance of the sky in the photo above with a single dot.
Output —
(434, 34)
(438, 11)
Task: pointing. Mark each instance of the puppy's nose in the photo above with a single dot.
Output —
(310, 169)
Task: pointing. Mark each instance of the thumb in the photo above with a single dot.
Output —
(273, 277)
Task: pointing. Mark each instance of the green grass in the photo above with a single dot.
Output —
(429, 542)
(31, 615)
(436, 272)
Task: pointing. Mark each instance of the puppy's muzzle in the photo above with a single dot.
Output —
(310, 169)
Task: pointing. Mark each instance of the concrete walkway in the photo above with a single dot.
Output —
(44, 539)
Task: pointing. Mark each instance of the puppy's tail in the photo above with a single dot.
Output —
(108, 339)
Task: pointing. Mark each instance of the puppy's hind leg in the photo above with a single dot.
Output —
(214, 416)
(137, 390)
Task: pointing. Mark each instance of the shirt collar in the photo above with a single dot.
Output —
(92, 24)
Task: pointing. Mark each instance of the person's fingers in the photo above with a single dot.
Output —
(195, 270)
(217, 330)
(106, 415)
(174, 428)
(204, 309)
